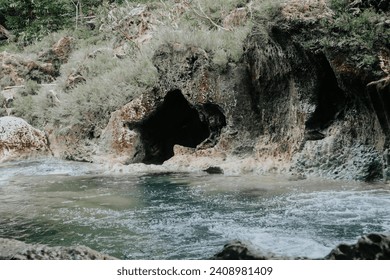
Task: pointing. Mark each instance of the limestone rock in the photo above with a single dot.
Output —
(136, 26)
(59, 53)
(18, 140)
(66, 144)
(17, 250)
(74, 79)
(283, 106)
(119, 141)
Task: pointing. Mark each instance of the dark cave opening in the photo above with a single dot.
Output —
(176, 121)
(330, 98)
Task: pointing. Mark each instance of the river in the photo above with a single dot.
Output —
(148, 215)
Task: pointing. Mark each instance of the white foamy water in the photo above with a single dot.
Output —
(184, 216)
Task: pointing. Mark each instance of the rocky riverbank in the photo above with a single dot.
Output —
(17, 250)
(368, 247)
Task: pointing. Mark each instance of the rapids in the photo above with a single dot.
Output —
(148, 215)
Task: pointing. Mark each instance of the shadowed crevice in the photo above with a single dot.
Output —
(176, 121)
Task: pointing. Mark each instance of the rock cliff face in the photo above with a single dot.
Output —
(190, 107)
(315, 111)
(283, 108)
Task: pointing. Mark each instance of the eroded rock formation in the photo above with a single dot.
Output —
(285, 106)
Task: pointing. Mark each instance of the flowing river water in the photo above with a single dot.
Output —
(184, 215)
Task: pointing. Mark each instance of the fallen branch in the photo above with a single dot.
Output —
(11, 87)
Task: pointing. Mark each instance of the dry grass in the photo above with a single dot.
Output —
(114, 61)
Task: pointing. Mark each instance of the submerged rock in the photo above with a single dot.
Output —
(17, 250)
(19, 140)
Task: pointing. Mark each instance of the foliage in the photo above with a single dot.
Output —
(30, 88)
(25, 107)
(89, 105)
(359, 30)
(32, 20)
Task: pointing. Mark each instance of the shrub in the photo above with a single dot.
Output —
(361, 31)
(24, 107)
(32, 20)
(30, 88)
(89, 105)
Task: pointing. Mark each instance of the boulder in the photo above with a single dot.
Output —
(17, 250)
(119, 140)
(19, 140)
(59, 53)
(236, 250)
(368, 247)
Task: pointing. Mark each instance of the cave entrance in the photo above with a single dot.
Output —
(330, 98)
(176, 121)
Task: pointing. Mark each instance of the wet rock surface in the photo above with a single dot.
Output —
(17, 250)
(369, 247)
(236, 250)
